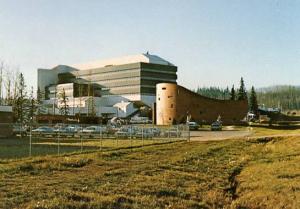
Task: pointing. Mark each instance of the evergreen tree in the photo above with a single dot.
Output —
(92, 107)
(253, 106)
(232, 93)
(226, 93)
(19, 107)
(285, 97)
(39, 99)
(64, 108)
(32, 105)
(242, 94)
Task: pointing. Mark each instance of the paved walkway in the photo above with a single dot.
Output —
(228, 133)
(207, 135)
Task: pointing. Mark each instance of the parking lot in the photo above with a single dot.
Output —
(57, 139)
(63, 138)
(110, 132)
(226, 133)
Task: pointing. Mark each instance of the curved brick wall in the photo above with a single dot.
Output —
(174, 103)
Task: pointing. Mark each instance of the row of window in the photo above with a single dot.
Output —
(101, 71)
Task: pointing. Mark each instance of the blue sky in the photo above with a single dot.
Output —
(213, 43)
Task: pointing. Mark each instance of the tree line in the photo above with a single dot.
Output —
(285, 97)
(224, 93)
(232, 94)
(25, 101)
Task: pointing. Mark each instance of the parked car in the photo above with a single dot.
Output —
(155, 131)
(19, 130)
(43, 130)
(216, 126)
(126, 132)
(74, 128)
(193, 125)
(91, 130)
(139, 120)
(173, 132)
(60, 130)
(144, 133)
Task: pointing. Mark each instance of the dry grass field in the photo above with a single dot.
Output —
(261, 172)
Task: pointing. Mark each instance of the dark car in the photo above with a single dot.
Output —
(216, 126)
(19, 130)
(193, 125)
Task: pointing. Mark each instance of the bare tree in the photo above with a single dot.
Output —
(8, 86)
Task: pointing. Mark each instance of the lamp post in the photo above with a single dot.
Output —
(30, 137)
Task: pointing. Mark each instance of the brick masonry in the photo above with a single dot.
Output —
(175, 103)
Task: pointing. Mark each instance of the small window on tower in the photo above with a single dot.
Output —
(164, 88)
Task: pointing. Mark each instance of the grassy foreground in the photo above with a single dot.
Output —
(255, 173)
(13, 148)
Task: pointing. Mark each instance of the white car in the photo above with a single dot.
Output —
(91, 130)
(125, 132)
(144, 133)
(173, 132)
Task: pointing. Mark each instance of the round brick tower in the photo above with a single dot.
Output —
(166, 96)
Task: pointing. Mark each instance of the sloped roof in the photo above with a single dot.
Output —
(122, 104)
(146, 58)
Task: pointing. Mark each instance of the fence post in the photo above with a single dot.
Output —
(189, 133)
(152, 132)
(169, 130)
(81, 142)
(30, 138)
(142, 135)
(58, 151)
(131, 137)
(100, 138)
(117, 138)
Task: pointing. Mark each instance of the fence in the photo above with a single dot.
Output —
(45, 139)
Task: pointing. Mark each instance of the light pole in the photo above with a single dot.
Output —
(30, 137)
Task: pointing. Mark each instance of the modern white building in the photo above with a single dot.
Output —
(113, 88)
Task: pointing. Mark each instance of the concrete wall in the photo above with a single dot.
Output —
(175, 103)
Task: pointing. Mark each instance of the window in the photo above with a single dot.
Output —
(164, 88)
(170, 118)
(170, 96)
(171, 105)
(158, 98)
